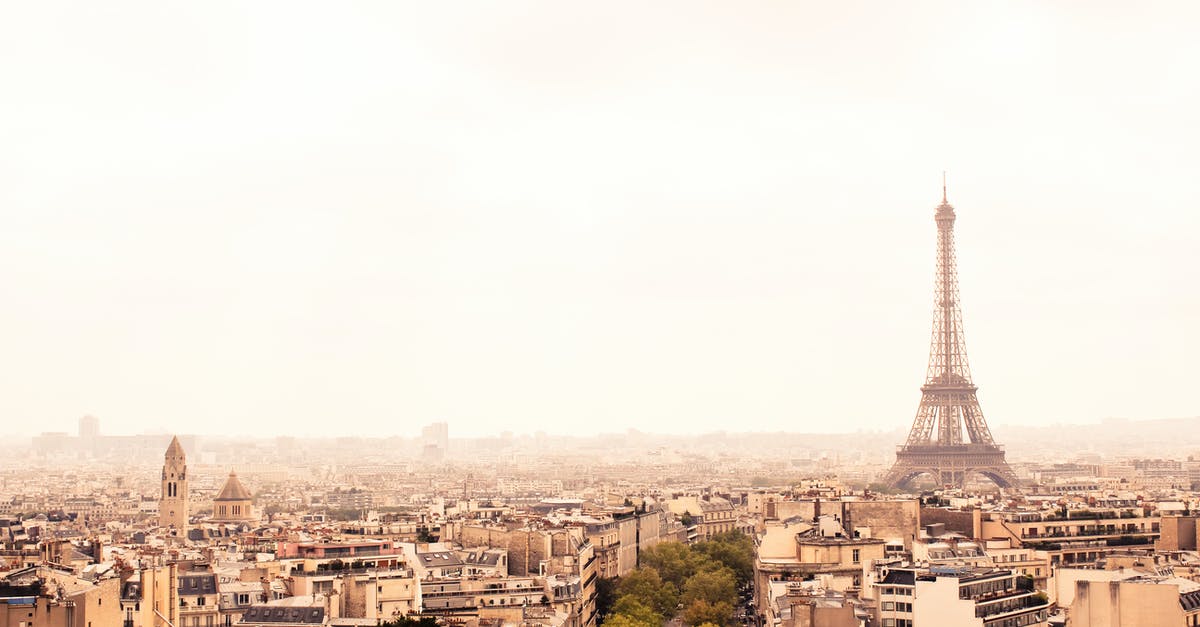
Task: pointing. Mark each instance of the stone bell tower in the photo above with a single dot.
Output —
(173, 506)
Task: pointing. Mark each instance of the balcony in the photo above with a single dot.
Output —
(1010, 603)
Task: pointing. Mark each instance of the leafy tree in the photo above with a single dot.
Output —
(687, 519)
(606, 595)
(734, 550)
(634, 610)
(621, 620)
(700, 611)
(713, 586)
(674, 561)
(647, 587)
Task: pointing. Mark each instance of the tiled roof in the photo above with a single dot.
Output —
(441, 558)
(233, 490)
(902, 577)
(197, 583)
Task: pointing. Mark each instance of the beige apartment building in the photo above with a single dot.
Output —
(798, 552)
(1077, 538)
(59, 600)
(710, 515)
(1139, 602)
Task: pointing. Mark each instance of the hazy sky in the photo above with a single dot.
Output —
(254, 217)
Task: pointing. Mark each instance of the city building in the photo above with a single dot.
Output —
(1138, 602)
(234, 503)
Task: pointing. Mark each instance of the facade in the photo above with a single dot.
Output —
(1135, 603)
(1076, 537)
(199, 601)
(47, 596)
(957, 596)
(173, 505)
(800, 552)
(150, 597)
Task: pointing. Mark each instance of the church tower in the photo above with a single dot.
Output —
(173, 506)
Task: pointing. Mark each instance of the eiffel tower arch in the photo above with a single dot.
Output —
(949, 438)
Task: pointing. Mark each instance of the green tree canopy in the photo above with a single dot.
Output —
(674, 561)
(734, 550)
(621, 620)
(631, 609)
(700, 611)
(713, 586)
(647, 586)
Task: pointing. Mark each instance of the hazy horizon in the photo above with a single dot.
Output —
(577, 219)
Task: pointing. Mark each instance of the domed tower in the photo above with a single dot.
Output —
(233, 502)
(173, 506)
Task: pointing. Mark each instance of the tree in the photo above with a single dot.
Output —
(713, 586)
(621, 620)
(700, 611)
(674, 561)
(634, 610)
(734, 550)
(687, 519)
(606, 595)
(647, 587)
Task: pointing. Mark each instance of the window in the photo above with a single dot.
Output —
(854, 555)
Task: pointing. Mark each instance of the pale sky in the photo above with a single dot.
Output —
(359, 218)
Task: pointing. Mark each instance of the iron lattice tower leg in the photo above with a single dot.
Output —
(949, 407)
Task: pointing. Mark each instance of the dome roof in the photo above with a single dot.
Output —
(233, 490)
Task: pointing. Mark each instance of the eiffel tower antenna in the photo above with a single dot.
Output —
(936, 444)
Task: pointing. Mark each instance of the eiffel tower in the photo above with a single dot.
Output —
(936, 445)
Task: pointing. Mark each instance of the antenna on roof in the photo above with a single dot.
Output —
(944, 186)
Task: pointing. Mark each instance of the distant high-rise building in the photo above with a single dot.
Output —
(89, 427)
(173, 506)
(437, 433)
(435, 440)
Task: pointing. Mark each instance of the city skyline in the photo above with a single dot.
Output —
(578, 221)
